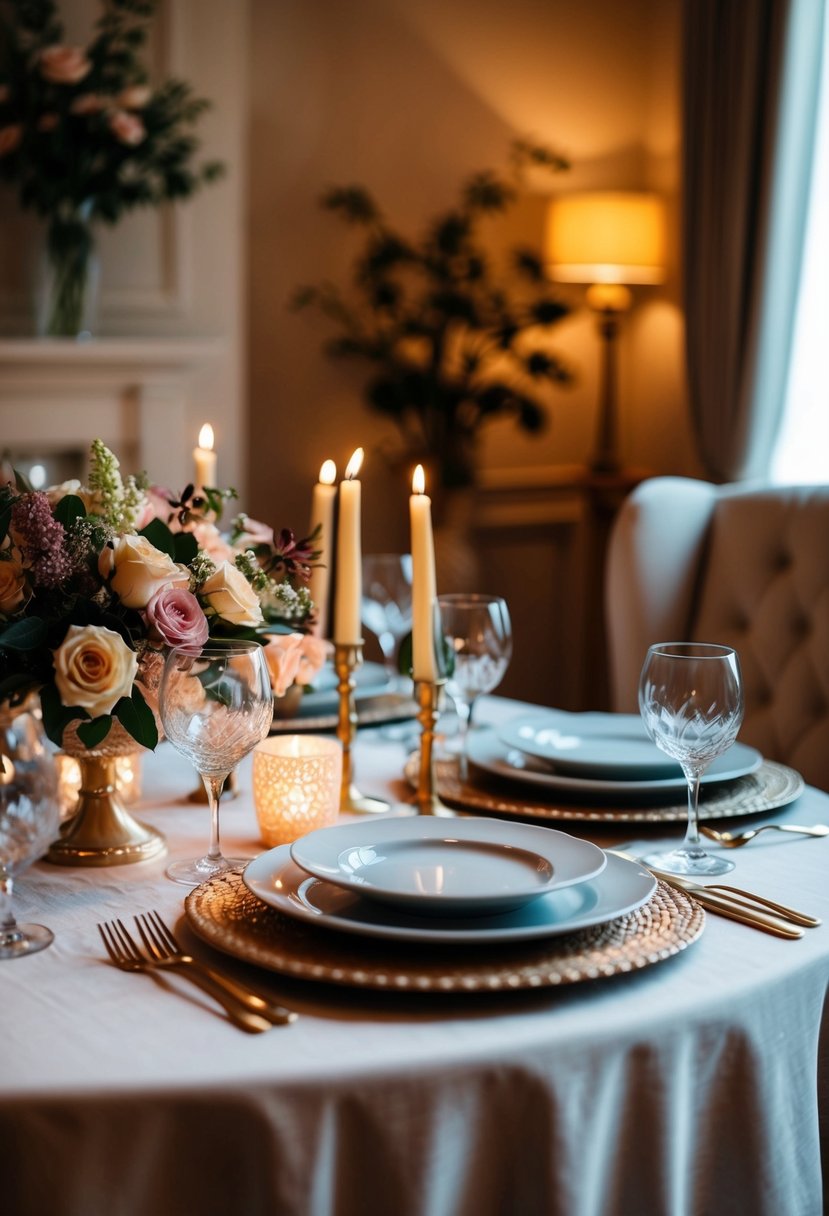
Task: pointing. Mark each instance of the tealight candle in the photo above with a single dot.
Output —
(322, 516)
(296, 785)
(349, 589)
(424, 583)
(204, 458)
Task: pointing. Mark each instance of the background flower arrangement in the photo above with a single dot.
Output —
(97, 579)
(453, 340)
(84, 137)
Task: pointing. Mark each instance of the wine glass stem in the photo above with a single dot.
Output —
(214, 787)
(464, 712)
(692, 839)
(7, 922)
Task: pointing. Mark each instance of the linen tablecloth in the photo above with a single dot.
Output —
(692, 1088)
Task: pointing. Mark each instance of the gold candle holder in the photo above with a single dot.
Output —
(429, 697)
(347, 658)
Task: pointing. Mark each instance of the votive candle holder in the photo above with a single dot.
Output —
(296, 785)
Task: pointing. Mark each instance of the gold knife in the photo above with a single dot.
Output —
(733, 909)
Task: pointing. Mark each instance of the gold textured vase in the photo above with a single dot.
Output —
(102, 832)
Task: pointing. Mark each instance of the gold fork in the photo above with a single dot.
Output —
(735, 840)
(125, 955)
(164, 949)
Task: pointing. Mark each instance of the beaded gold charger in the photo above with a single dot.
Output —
(224, 913)
(772, 786)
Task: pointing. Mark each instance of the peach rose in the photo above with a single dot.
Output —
(10, 138)
(12, 587)
(312, 655)
(210, 539)
(126, 128)
(47, 122)
(94, 668)
(139, 570)
(135, 97)
(229, 594)
(64, 64)
(88, 497)
(282, 654)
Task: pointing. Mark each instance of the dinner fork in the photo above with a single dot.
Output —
(164, 950)
(125, 954)
(735, 840)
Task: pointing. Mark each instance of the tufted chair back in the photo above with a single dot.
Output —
(744, 565)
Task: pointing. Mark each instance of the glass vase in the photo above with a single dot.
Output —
(67, 304)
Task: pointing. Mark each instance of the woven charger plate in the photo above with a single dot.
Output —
(228, 916)
(772, 786)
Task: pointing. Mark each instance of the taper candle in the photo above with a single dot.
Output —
(204, 458)
(322, 516)
(424, 583)
(349, 589)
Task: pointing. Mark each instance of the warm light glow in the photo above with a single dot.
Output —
(419, 480)
(296, 785)
(206, 437)
(606, 237)
(353, 466)
(328, 473)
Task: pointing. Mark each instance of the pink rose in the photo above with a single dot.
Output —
(283, 656)
(127, 128)
(176, 617)
(134, 97)
(10, 138)
(87, 103)
(64, 64)
(255, 533)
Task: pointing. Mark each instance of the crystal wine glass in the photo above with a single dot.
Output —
(216, 704)
(691, 701)
(387, 601)
(478, 630)
(29, 820)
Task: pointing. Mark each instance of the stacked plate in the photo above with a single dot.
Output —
(467, 881)
(377, 701)
(590, 766)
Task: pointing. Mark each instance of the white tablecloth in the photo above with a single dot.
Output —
(693, 1087)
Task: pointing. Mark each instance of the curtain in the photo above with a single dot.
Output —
(751, 75)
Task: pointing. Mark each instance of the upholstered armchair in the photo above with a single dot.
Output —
(745, 565)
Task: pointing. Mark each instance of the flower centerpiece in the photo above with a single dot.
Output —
(97, 579)
(85, 138)
(451, 339)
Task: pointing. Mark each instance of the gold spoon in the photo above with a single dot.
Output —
(735, 840)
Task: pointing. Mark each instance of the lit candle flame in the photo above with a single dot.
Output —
(419, 480)
(206, 437)
(353, 466)
(328, 473)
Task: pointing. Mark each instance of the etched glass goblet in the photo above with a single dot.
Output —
(691, 702)
(216, 704)
(386, 607)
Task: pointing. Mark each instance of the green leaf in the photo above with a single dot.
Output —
(29, 633)
(185, 547)
(56, 715)
(137, 719)
(69, 509)
(159, 535)
(92, 733)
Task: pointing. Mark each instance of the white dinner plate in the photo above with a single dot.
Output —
(488, 752)
(435, 867)
(621, 887)
(614, 746)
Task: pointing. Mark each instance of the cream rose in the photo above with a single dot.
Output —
(94, 668)
(64, 64)
(139, 570)
(89, 498)
(12, 587)
(229, 594)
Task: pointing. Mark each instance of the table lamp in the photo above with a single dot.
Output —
(608, 239)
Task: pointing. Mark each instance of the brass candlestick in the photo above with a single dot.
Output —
(347, 658)
(429, 696)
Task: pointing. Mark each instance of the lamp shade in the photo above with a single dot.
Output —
(606, 237)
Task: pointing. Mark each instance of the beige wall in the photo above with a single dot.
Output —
(407, 98)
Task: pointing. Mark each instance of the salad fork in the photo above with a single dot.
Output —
(126, 956)
(164, 949)
(735, 840)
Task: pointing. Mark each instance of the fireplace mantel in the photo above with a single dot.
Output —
(140, 396)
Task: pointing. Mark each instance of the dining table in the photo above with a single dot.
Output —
(695, 1085)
